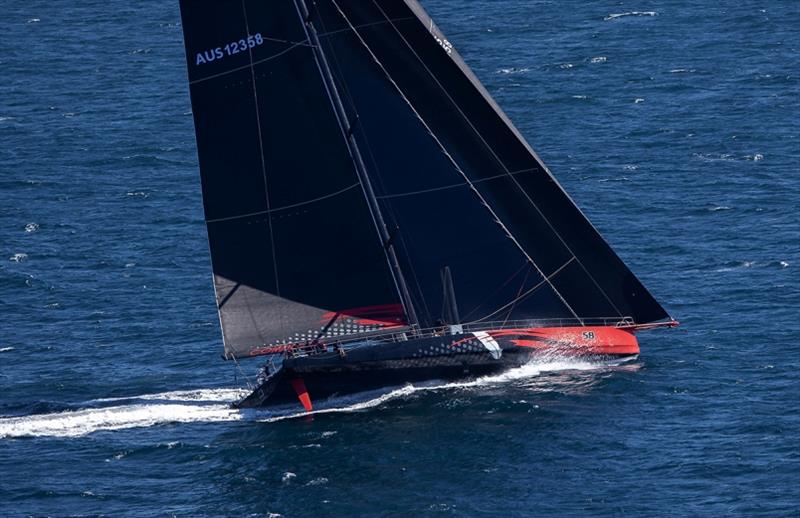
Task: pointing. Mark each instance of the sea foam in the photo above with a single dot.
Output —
(631, 13)
(213, 405)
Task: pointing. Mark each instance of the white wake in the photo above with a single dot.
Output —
(213, 405)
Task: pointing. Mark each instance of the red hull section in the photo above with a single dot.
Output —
(577, 341)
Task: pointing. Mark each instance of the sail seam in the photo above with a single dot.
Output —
(365, 25)
(285, 207)
(452, 186)
(261, 150)
(447, 154)
(502, 164)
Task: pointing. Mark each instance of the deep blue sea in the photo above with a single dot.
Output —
(674, 125)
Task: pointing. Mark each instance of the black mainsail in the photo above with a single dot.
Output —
(289, 95)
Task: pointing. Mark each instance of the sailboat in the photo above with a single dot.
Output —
(373, 216)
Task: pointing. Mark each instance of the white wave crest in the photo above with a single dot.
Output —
(513, 70)
(526, 371)
(6, 349)
(631, 13)
(84, 422)
(199, 395)
(213, 405)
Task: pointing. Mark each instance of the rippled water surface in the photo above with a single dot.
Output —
(674, 125)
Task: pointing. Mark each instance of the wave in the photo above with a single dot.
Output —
(213, 405)
(530, 370)
(738, 265)
(6, 349)
(203, 405)
(513, 70)
(84, 422)
(199, 395)
(631, 13)
(727, 157)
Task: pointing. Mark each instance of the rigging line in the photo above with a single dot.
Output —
(491, 150)
(261, 150)
(364, 25)
(285, 207)
(519, 293)
(448, 155)
(525, 265)
(253, 63)
(452, 186)
(358, 162)
(250, 384)
(527, 293)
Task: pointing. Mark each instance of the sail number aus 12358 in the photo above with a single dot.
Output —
(230, 49)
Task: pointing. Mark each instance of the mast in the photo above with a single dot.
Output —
(348, 132)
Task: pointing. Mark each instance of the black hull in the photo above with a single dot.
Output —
(368, 366)
(323, 383)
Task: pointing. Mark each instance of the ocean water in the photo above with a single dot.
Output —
(674, 125)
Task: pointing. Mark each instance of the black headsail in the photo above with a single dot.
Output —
(303, 106)
(463, 187)
(294, 247)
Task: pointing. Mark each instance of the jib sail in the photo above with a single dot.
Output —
(463, 187)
